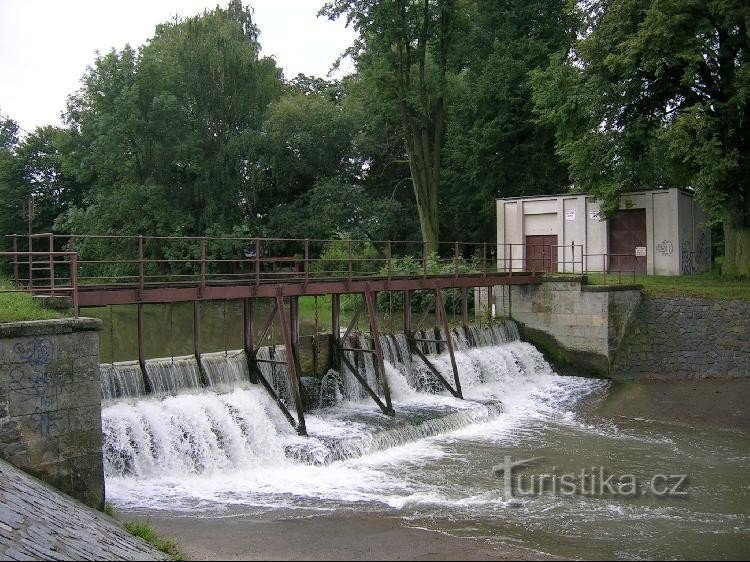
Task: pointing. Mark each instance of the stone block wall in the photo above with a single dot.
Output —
(50, 403)
(576, 324)
(686, 338)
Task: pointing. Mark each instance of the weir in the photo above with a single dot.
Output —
(232, 423)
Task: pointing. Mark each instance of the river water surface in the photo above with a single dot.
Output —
(226, 451)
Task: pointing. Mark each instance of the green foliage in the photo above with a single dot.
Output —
(655, 93)
(433, 265)
(109, 509)
(711, 285)
(149, 534)
(494, 145)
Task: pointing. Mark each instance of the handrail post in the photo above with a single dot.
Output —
(31, 261)
(141, 280)
(15, 260)
(307, 260)
(389, 257)
(455, 262)
(257, 262)
(349, 256)
(74, 281)
(203, 265)
(484, 259)
(51, 264)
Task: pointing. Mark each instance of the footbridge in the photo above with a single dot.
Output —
(141, 270)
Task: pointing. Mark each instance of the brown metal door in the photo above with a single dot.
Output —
(627, 231)
(541, 253)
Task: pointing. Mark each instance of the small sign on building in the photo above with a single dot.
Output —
(640, 251)
(570, 215)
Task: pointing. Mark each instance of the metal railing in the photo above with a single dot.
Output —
(54, 263)
(52, 283)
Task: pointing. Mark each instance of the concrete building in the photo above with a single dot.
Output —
(657, 232)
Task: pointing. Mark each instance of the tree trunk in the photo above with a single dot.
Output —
(736, 250)
(426, 187)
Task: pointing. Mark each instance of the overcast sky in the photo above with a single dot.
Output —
(45, 45)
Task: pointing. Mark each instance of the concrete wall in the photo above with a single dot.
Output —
(50, 403)
(686, 338)
(576, 324)
(676, 230)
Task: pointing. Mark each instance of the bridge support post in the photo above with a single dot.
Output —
(440, 305)
(141, 351)
(290, 363)
(335, 332)
(197, 347)
(407, 313)
(372, 312)
(247, 326)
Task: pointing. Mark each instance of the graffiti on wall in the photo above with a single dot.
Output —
(33, 379)
(687, 258)
(665, 247)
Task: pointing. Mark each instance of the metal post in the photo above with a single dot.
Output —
(51, 264)
(203, 268)
(247, 325)
(291, 367)
(455, 262)
(15, 261)
(465, 305)
(31, 261)
(307, 260)
(74, 282)
(141, 281)
(141, 352)
(257, 262)
(440, 305)
(197, 347)
(372, 312)
(349, 253)
(388, 257)
(484, 259)
(407, 312)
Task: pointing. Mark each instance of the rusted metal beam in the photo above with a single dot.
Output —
(141, 351)
(372, 312)
(353, 321)
(91, 295)
(433, 369)
(267, 327)
(440, 306)
(247, 340)
(407, 312)
(374, 395)
(197, 344)
(272, 393)
(291, 368)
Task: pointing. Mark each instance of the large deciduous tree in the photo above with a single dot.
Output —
(403, 54)
(166, 137)
(655, 93)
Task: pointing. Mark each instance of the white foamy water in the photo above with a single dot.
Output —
(215, 449)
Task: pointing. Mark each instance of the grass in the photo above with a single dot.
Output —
(15, 307)
(706, 285)
(148, 534)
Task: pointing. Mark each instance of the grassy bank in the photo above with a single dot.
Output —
(15, 307)
(705, 285)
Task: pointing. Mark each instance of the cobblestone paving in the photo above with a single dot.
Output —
(40, 523)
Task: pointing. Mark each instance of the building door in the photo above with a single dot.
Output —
(541, 253)
(627, 231)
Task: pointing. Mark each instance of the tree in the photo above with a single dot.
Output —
(403, 54)
(179, 120)
(655, 93)
(494, 145)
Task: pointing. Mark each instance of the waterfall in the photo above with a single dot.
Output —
(121, 380)
(205, 432)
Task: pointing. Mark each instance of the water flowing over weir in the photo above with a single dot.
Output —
(217, 422)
